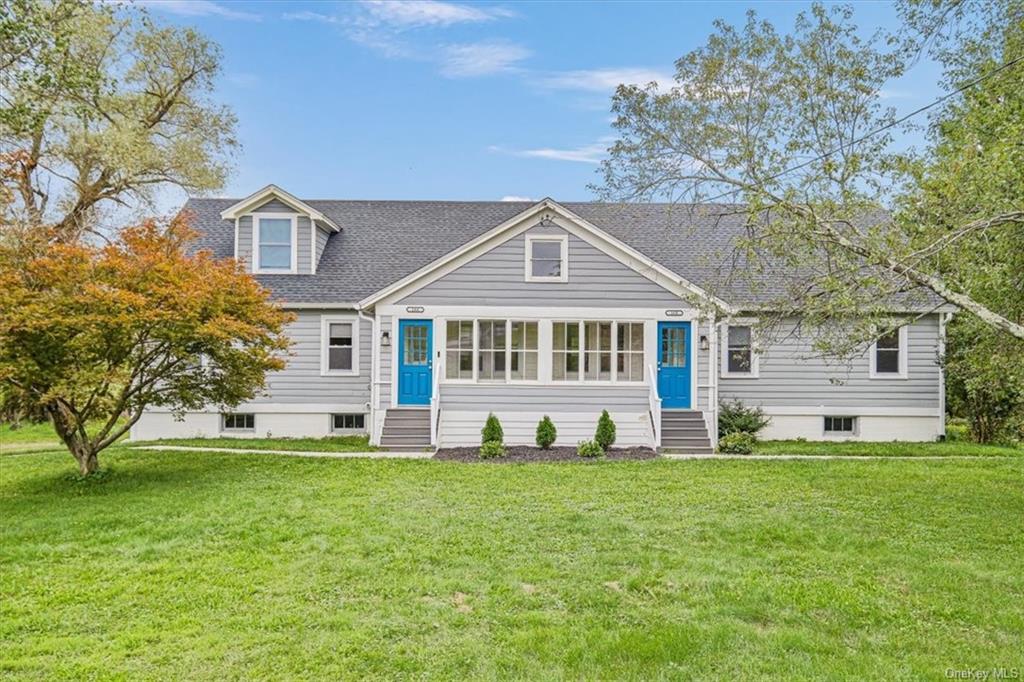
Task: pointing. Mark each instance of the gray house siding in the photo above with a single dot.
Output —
(791, 376)
(386, 325)
(300, 381)
(304, 236)
(321, 242)
(498, 278)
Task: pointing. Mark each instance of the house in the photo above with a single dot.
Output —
(415, 319)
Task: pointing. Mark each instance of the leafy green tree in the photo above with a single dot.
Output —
(793, 132)
(93, 332)
(100, 106)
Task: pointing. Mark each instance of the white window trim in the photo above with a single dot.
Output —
(564, 239)
(581, 381)
(755, 357)
(855, 433)
(325, 330)
(256, 227)
(348, 432)
(225, 429)
(443, 378)
(873, 359)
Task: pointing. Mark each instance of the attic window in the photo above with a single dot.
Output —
(275, 244)
(547, 259)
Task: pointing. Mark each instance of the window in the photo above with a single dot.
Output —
(348, 422)
(523, 361)
(238, 422)
(339, 345)
(589, 351)
(547, 259)
(888, 358)
(565, 351)
(738, 356)
(630, 344)
(840, 424)
(275, 244)
(459, 349)
(493, 344)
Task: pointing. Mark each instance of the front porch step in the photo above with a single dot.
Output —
(700, 441)
(684, 432)
(406, 429)
(687, 451)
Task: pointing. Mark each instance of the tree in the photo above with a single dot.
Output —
(794, 129)
(93, 332)
(101, 107)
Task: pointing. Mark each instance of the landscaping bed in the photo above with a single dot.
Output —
(529, 453)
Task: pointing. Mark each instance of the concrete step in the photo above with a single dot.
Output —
(684, 442)
(406, 429)
(673, 430)
(686, 451)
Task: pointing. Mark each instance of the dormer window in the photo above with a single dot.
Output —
(275, 244)
(547, 259)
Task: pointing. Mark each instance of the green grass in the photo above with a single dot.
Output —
(188, 565)
(30, 437)
(329, 444)
(886, 449)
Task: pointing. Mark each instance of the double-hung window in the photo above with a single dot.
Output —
(275, 244)
(339, 345)
(889, 355)
(597, 351)
(738, 356)
(547, 259)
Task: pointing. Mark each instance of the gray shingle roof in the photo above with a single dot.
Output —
(383, 241)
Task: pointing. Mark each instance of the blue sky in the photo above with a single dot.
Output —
(437, 100)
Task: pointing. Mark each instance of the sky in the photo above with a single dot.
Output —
(453, 100)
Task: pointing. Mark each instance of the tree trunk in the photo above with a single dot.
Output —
(88, 463)
(65, 423)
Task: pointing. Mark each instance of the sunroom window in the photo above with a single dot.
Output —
(523, 361)
(565, 351)
(493, 344)
(629, 364)
(274, 237)
(585, 351)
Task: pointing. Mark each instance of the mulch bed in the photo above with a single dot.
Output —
(526, 453)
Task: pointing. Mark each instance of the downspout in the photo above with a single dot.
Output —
(713, 392)
(943, 321)
(374, 370)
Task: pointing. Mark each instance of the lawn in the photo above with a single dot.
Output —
(28, 437)
(886, 449)
(328, 444)
(180, 565)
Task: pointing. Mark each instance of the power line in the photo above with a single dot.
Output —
(872, 133)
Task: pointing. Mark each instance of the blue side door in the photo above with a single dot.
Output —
(674, 364)
(415, 364)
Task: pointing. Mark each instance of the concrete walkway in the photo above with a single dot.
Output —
(390, 454)
(378, 454)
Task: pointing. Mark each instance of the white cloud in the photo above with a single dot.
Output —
(588, 153)
(200, 8)
(480, 59)
(306, 15)
(515, 197)
(602, 80)
(412, 13)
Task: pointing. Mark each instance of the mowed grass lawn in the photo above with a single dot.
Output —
(189, 565)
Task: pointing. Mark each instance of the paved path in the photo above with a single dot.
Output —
(379, 454)
(390, 454)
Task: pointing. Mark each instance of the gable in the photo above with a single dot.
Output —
(497, 276)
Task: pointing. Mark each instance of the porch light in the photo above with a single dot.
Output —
(703, 343)
(385, 338)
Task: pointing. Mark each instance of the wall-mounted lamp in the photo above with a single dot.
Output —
(385, 338)
(704, 345)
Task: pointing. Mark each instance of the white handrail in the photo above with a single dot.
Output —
(435, 406)
(655, 405)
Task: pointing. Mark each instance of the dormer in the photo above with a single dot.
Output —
(278, 234)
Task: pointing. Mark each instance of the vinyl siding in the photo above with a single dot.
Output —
(498, 277)
(462, 428)
(791, 376)
(321, 242)
(386, 325)
(300, 381)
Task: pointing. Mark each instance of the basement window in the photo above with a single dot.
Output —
(348, 422)
(238, 422)
(841, 425)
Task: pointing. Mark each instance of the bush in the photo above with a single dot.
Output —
(589, 448)
(605, 435)
(735, 417)
(958, 431)
(546, 433)
(492, 430)
(491, 449)
(738, 443)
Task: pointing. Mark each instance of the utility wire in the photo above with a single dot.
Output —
(872, 133)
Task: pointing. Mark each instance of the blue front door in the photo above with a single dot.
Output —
(674, 364)
(415, 363)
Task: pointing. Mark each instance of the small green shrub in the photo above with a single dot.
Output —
(492, 430)
(546, 433)
(491, 449)
(739, 443)
(589, 448)
(735, 417)
(605, 435)
(958, 430)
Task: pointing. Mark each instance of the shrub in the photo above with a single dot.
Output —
(492, 430)
(605, 435)
(958, 430)
(735, 417)
(491, 449)
(546, 433)
(589, 448)
(738, 443)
